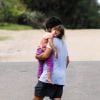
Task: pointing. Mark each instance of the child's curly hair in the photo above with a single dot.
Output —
(59, 28)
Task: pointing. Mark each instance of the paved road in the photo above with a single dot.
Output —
(17, 81)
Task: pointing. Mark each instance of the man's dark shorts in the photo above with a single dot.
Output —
(49, 90)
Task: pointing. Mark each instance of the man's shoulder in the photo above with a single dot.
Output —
(56, 39)
(58, 42)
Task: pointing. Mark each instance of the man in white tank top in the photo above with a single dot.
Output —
(55, 90)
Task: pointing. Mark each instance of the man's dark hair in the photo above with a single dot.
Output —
(52, 22)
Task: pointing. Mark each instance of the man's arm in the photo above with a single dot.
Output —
(44, 55)
(68, 61)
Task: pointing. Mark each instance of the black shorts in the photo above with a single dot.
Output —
(49, 90)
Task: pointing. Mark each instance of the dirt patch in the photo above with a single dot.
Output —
(83, 45)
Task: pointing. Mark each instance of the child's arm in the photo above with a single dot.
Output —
(53, 48)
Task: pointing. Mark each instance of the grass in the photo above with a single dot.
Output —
(10, 26)
(2, 38)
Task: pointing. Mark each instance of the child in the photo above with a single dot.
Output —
(42, 46)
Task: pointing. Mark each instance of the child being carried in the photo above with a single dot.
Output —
(48, 37)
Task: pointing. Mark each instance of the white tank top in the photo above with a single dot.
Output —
(59, 64)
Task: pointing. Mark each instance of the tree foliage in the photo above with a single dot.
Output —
(74, 13)
(34, 19)
(10, 10)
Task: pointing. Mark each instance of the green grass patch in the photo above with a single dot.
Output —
(10, 26)
(2, 38)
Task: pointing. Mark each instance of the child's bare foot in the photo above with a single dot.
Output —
(49, 81)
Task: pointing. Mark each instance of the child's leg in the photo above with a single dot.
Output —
(40, 66)
(49, 63)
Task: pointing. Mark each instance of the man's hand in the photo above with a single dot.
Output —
(55, 52)
(44, 55)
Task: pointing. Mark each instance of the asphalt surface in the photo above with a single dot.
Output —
(17, 81)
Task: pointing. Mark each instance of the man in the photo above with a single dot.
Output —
(55, 90)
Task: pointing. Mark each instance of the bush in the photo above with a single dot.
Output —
(10, 10)
(34, 19)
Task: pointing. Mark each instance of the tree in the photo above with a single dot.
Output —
(74, 13)
(10, 9)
